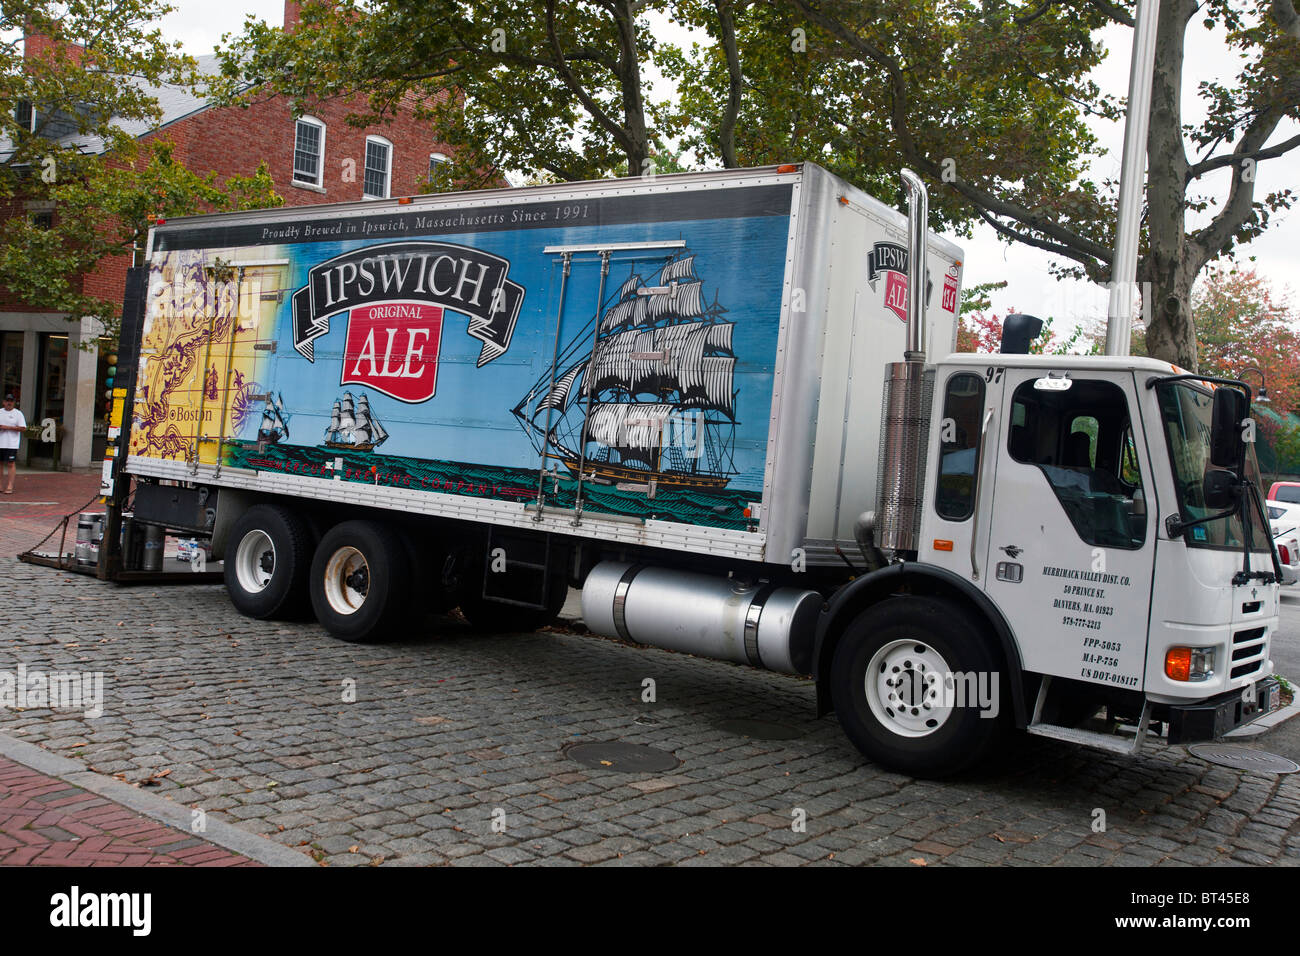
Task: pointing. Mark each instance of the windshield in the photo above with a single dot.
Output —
(1186, 409)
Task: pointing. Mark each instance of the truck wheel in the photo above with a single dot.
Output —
(918, 688)
(359, 582)
(267, 562)
(426, 555)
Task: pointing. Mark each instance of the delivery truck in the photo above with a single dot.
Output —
(725, 406)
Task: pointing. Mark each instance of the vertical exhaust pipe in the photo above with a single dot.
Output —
(918, 215)
(905, 418)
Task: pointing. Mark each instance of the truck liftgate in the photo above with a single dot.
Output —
(113, 544)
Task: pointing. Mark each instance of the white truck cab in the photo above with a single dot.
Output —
(1069, 496)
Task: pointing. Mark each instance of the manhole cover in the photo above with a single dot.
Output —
(1243, 758)
(628, 758)
(760, 729)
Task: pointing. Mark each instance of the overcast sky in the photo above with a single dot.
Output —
(199, 25)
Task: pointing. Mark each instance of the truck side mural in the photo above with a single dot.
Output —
(481, 362)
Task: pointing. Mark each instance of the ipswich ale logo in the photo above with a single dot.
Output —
(396, 296)
(891, 259)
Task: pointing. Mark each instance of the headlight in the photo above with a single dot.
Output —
(1189, 663)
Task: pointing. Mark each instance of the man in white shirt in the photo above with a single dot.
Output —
(12, 426)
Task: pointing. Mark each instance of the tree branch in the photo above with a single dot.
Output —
(571, 81)
(1114, 11)
(1211, 241)
(1232, 159)
(907, 146)
(1285, 14)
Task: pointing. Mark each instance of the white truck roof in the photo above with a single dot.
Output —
(1135, 363)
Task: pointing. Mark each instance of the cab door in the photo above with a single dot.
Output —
(1071, 529)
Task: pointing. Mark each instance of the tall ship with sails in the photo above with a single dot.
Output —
(647, 387)
(353, 427)
(275, 425)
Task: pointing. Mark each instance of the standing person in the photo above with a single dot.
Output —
(12, 426)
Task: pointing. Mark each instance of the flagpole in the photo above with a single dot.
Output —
(1123, 270)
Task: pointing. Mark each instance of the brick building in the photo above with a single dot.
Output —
(313, 158)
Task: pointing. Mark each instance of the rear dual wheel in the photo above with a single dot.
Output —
(267, 562)
(360, 582)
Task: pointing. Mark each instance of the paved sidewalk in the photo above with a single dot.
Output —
(55, 812)
(39, 500)
(44, 821)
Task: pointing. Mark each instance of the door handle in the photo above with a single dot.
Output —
(975, 519)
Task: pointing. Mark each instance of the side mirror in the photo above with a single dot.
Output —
(1220, 490)
(1227, 448)
(1018, 333)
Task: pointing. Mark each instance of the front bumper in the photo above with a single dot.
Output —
(1212, 718)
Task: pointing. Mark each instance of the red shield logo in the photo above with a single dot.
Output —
(896, 294)
(392, 347)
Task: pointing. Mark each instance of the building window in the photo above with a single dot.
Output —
(439, 171)
(25, 116)
(379, 153)
(309, 151)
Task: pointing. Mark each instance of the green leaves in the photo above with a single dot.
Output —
(88, 73)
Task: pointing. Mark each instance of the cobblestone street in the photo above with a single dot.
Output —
(453, 751)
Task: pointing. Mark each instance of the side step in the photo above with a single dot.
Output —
(527, 573)
(1088, 738)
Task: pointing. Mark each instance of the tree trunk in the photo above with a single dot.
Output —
(727, 123)
(638, 148)
(1171, 336)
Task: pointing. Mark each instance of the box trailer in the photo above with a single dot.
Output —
(710, 401)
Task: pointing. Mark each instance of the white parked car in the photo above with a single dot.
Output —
(1284, 519)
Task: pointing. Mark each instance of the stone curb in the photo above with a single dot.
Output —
(151, 805)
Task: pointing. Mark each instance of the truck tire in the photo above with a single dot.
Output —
(267, 562)
(427, 555)
(889, 673)
(360, 582)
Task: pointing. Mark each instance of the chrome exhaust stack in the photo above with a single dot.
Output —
(918, 216)
(909, 391)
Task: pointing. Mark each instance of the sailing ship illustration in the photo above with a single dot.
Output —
(353, 427)
(275, 424)
(647, 386)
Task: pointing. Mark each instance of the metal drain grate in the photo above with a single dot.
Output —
(627, 758)
(760, 729)
(1243, 758)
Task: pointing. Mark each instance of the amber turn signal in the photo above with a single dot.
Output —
(941, 544)
(1178, 663)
